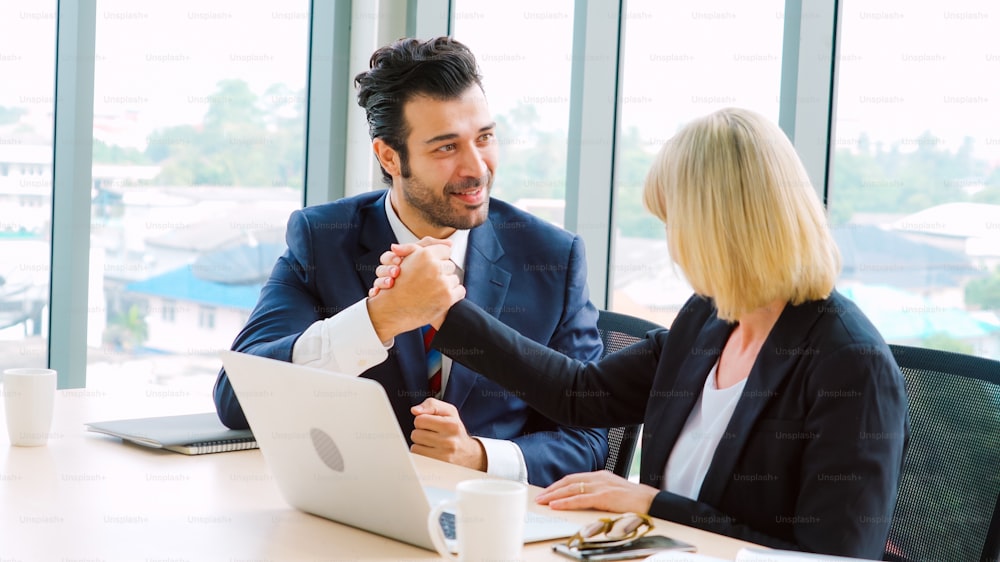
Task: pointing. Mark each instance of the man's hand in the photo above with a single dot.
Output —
(388, 271)
(440, 434)
(424, 289)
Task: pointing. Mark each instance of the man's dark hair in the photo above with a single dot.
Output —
(440, 68)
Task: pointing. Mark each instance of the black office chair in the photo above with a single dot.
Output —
(619, 331)
(949, 493)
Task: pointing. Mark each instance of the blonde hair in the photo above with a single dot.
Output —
(743, 221)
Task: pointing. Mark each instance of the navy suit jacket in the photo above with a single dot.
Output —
(811, 457)
(525, 272)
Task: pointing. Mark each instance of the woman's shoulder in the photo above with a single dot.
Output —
(697, 310)
(842, 333)
(841, 322)
(689, 325)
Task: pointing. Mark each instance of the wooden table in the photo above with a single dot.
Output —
(89, 497)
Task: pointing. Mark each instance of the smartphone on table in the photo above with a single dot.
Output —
(639, 548)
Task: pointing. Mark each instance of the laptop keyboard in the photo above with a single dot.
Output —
(447, 521)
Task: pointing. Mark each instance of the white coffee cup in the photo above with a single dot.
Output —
(489, 520)
(29, 395)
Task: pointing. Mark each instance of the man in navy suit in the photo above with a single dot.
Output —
(435, 140)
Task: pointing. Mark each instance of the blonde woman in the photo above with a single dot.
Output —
(773, 411)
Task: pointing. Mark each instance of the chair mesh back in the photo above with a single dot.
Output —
(950, 483)
(619, 331)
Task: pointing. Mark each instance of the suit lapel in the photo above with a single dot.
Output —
(775, 361)
(376, 236)
(668, 417)
(408, 350)
(486, 285)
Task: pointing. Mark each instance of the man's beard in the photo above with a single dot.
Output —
(439, 210)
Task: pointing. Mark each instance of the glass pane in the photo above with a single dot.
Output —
(683, 59)
(27, 104)
(528, 85)
(915, 198)
(199, 119)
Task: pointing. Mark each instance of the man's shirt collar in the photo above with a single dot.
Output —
(459, 239)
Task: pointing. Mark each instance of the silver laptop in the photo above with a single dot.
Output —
(334, 446)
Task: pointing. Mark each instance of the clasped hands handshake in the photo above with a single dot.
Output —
(415, 285)
(426, 286)
(422, 291)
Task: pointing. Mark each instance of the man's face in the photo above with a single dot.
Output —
(452, 155)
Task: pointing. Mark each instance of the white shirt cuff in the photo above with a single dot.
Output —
(345, 342)
(504, 459)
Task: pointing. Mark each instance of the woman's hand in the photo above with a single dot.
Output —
(388, 270)
(426, 288)
(598, 490)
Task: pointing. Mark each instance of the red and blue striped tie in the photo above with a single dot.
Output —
(433, 361)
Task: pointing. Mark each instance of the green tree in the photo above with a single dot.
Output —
(533, 165)
(984, 292)
(634, 159)
(874, 179)
(166, 142)
(10, 115)
(945, 342)
(243, 141)
(105, 153)
(127, 329)
(991, 188)
(532, 160)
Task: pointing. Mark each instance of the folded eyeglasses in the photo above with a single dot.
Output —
(611, 531)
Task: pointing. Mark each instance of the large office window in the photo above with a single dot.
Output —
(199, 118)
(199, 112)
(682, 60)
(915, 197)
(27, 71)
(527, 83)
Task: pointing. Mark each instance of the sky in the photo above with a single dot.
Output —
(157, 62)
(906, 67)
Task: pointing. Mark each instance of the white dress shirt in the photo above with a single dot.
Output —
(695, 447)
(347, 343)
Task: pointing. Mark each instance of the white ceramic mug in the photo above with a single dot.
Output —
(29, 395)
(489, 520)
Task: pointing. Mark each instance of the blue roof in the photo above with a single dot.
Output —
(182, 284)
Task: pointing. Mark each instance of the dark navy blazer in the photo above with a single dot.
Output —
(811, 457)
(522, 270)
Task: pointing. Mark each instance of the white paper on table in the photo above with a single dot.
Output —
(681, 556)
(766, 555)
(750, 555)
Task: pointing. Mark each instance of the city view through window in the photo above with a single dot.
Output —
(199, 127)
(198, 158)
